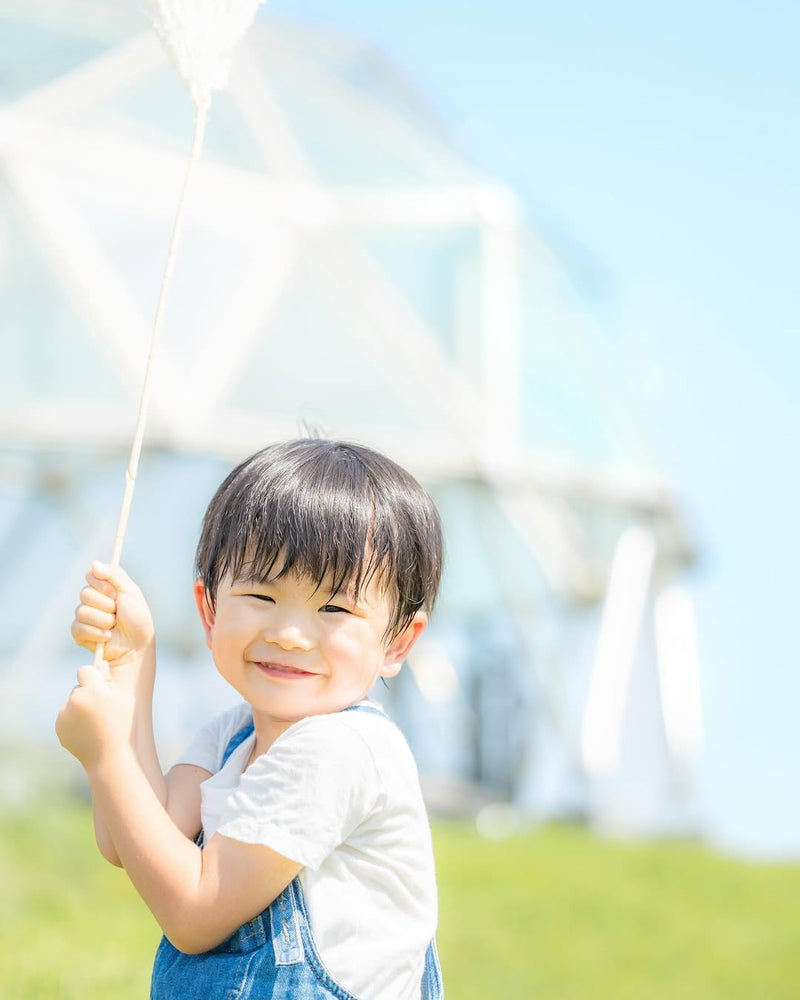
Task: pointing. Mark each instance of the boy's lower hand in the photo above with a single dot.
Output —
(113, 611)
(98, 717)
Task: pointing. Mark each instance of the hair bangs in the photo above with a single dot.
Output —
(318, 532)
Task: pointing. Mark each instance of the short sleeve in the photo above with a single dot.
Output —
(209, 743)
(308, 793)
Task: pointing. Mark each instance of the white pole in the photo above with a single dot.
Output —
(679, 678)
(624, 607)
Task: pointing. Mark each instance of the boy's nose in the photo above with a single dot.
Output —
(288, 635)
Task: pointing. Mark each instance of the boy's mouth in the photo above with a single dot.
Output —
(281, 669)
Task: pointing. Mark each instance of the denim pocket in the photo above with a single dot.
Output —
(244, 939)
(229, 972)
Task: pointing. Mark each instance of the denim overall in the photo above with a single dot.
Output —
(273, 957)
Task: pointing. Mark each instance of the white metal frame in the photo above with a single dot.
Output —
(36, 148)
(475, 433)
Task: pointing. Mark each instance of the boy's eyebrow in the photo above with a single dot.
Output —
(245, 579)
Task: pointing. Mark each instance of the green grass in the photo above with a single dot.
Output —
(560, 915)
(552, 914)
(71, 925)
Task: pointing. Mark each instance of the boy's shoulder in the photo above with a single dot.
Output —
(364, 727)
(231, 720)
(209, 743)
(363, 717)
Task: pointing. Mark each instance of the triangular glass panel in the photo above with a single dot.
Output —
(437, 270)
(308, 364)
(350, 138)
(36, 49)
(570, 404)
(49, 355)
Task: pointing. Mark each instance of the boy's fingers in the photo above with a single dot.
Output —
(94, 617)
(89, 637)
(94, 598)
(100, 586)
(91, 675)
(88, 675)
(115, 575)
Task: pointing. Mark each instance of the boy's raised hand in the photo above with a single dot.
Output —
(113, 611)
(97, 717)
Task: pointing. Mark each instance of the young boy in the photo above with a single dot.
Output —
(287, 854)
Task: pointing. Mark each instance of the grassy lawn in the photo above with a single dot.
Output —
(552, 914)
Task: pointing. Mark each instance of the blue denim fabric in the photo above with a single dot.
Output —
(273, 957)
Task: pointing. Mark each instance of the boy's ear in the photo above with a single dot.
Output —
(399, 648)
(207, 616)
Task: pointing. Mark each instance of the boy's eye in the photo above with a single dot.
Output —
(333, 608)
(261, 597)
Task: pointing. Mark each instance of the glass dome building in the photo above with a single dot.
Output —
(344, 269)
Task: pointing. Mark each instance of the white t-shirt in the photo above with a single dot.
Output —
(340, 795)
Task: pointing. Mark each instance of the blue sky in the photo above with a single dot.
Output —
(656, 146)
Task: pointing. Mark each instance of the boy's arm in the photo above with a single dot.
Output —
(198, 897)
(182, 805)
(113, 611)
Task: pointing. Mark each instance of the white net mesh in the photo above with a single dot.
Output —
(200, 37)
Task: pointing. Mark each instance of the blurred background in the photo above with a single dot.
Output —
(545, 256)
(546, 259)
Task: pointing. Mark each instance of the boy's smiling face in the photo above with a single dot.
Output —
(293, 649)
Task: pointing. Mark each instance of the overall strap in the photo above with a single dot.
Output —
(236, 740)
(288, 919)
(233, 743)
(367, 708)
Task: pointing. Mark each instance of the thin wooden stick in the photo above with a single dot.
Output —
(201, 117)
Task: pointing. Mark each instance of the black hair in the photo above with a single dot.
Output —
(334, 512)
